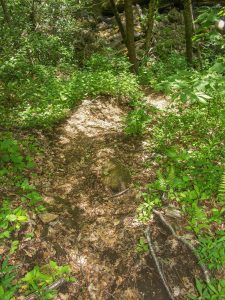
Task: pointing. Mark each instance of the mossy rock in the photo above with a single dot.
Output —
(116, 176)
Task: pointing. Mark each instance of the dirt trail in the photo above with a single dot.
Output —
(95, 229)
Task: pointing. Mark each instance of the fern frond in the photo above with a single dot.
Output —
(171, 176)
(221, 194)
(162, 181)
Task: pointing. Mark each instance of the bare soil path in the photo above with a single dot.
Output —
(92, 225)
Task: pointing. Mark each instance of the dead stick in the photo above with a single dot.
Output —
(184, 241)
(152, 251)
(48, 288)
(120, 193)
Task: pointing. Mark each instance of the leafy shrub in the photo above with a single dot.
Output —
(11, 219)
(188, 142)
(212, 251)
(42, 95)
(108, 60)
(39, 278)
(215, 290)
(137, 121)
(8, 287)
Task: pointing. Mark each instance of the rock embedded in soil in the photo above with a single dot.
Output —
(48, 217)
(116, 176)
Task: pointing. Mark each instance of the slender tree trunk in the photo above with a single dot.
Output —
(130, 34)
(196, 43)
(118, 20)
(5, 12)
(33, 15)
(151, 17)
(188, 22)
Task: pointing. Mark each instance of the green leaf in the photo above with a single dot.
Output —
(11, 218)
(22, 218)
(218, 67)
(199, 286)
(2, 292)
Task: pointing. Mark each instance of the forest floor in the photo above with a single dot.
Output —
(92, 225)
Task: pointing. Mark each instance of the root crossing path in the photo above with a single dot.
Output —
(90, 182)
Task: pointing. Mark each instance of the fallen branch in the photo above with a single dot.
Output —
(184, 241)
(119, 194)
(152, 251)
(48, 288)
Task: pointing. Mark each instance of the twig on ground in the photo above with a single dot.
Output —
(184, 241)
(152, 251)
(120, 193)
(50, 287)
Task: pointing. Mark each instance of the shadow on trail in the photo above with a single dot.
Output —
(96, 231)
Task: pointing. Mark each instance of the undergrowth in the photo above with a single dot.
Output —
(188, 146)
(41, 95)
(19, 200)
(188, 142)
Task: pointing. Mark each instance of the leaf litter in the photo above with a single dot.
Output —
(87, 225)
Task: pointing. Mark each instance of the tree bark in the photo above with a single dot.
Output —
(33, 16)
(151, 17)
(130, 34)
(118, 20)
(188, 22)
(5, 12)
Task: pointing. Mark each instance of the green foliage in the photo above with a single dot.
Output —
(187, 85)
(42, 95)
(142, 246)
(41, 53)
(207, 34)
(39, 278)
(11, 156)
(221, 194)
(36, 280)
(188, 143)
(151, 200)
(137, 121)
(11, 219)
(15, 166)
(16, 163)
(7, 277)
(215, 290)
(109, 60)
(212, 251)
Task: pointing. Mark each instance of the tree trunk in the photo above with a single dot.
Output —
(5, 12)
(33, 16)
(151, 17)
(130, 34)
(188, 22)
(118, 20)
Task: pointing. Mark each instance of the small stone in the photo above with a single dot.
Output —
(116, 176)
(49, 200)
(48, 217)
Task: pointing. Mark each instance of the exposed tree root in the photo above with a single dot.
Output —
(50, 287)
(152, 251)
(184, 241)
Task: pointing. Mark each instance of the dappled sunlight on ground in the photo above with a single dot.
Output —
(95, 228)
